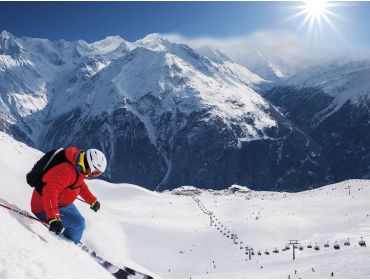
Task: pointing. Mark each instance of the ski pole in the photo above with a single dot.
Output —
(82, 200)
(23, 214)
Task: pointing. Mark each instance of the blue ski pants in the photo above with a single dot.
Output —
(73, 222)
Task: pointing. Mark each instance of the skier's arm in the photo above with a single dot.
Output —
(56, 180)
(86, 194)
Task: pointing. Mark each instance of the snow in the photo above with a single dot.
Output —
(168, 235)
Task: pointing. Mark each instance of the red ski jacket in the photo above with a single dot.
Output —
(56, 192)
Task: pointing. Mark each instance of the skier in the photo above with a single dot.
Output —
(61, 186)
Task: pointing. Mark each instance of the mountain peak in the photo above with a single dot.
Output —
(109, 40)
(108, 45)
(9, 45)
(154, 41)
(153, 37)
(6, 34)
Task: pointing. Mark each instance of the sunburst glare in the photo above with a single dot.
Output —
(317, 15)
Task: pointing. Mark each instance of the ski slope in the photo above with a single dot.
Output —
(170, 235)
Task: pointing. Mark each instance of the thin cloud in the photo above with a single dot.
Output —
(279, 47)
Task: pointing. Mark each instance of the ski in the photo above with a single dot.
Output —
(118, 272)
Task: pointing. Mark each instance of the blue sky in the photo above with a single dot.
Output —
(92, 21)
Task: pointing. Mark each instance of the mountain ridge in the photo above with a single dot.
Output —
(151, 104)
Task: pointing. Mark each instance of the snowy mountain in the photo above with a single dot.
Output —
(330, 102)
(170, 235)
(164, 114)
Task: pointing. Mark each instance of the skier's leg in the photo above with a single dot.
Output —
(73, 223)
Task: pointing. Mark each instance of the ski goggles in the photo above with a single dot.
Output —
(95, 173)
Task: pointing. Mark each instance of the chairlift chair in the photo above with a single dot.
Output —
(336, 246)
(287, 247)
(259, 253)
(267, 252)
(326, 245)
(309, 246)
(275, 251)
(317, 248)
(347, 243)
(362, 243)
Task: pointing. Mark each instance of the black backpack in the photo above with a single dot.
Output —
(43, 165)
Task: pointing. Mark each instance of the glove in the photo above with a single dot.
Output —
(56, 226)
(95, 206)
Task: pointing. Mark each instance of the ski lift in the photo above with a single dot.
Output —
(287, 247)
(362, 243)
(336, 246)
(301, 248)
(267, 252)
(276, 251)
(326, 245)
(317, 248)
(259, 253)
(347, 243)
(309, 246)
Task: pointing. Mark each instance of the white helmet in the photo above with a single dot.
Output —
(96, 160)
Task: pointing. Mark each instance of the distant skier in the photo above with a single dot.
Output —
(62, 175)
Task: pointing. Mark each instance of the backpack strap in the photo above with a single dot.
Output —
(52, 157)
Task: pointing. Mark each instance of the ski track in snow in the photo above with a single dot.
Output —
(171, 236)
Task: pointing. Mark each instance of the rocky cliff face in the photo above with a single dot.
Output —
(331, 103)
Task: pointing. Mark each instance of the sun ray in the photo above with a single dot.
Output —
(318, 17)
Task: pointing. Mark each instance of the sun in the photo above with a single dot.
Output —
(316, 11)
(318, 16)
